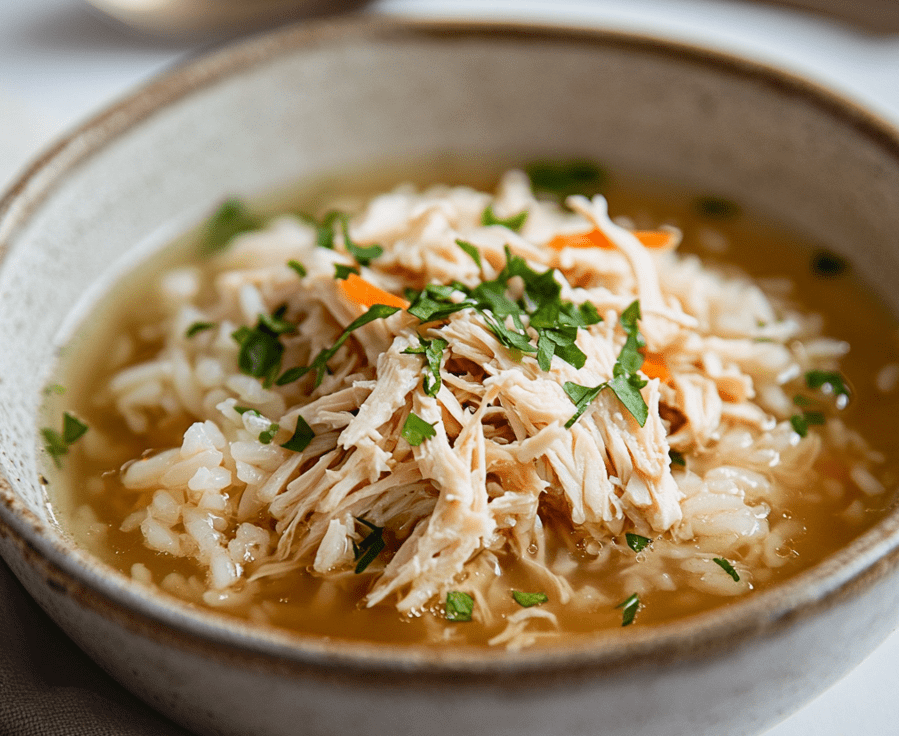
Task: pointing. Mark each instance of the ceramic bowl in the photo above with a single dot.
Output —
(301, 102)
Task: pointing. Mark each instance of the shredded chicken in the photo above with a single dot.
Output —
(504, 464)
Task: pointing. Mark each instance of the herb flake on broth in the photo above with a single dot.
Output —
(486, 343)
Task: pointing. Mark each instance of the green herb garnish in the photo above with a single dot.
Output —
(727, 567)
(677, 458)
(581, 397)
(563, 178)
(555, 321)
(416, 430)
(73, 429)
(515, 222)
(828, 264)
(471, 250)
(342, 272)
(244, 409)
(369, 548)
(625, 383)
(526, 600)
(433, 303)
(717, 208)
(266, 436)
(637, 542)
(629, 607)
(301, 438)
(802, 422)
(800, 426)
(198, 327)
(833, 379)
(298, 267)
(364, 255)
(260, 347)
(57, 444)
(319, 364)
(433, 352)
(459, 606)
(54, 388)
(275, 322)
(231, 219)
(324, 229)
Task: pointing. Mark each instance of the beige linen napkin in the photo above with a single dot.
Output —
(49, 687)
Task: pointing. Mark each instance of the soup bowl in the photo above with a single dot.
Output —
(303, 102)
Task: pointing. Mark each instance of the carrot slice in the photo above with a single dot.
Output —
(592, 239)
(655, 239)
(654, 366)
(360, 291)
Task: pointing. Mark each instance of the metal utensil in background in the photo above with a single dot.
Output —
(184, 19)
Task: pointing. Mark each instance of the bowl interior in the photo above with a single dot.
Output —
(303, 103)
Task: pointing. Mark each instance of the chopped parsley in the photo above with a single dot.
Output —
(555, 321)
(231, 219)
(324, 229)
(301, 438)
(563, 178)
(198, 327)
(471, 250)
(370, 547)
(266, 436)
(800, 426)
(828, 264)
(629, 607)
(342, 272)
(275, 322)
(416, 430)
(364, 255)
(677, 458)
(54, 388)
(727, 567)
(57, 444)
(637, 542)
(810, 409)
(717, 208)
(298, 267)
(515, 222)
(319, 363)
(801, 422)
(625, 382)
(459, 606)
(260, 347)
(433, 352)
(526, 600)
(244, 409)
(581, 397)
(832, 379)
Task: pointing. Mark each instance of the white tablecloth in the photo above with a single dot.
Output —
(60, 62)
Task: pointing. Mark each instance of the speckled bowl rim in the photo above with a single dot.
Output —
(103, 589)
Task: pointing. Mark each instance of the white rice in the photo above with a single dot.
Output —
(243, 509)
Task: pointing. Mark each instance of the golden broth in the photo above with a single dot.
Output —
(331, 608)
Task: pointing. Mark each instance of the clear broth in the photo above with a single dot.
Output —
(327, 608)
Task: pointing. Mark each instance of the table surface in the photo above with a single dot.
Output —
(60, 62)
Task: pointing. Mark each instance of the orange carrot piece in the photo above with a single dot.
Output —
(654, 366)
(360, 291)
(655, 239)
(592, 239)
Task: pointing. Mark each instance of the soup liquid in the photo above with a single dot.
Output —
(331, 608)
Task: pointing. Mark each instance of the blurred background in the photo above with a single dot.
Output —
(61, 61)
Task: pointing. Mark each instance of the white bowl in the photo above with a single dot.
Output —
(254, 118)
